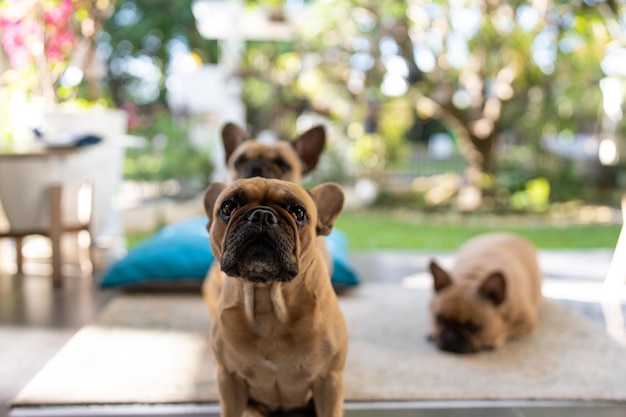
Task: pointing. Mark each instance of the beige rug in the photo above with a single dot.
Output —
(153, 349)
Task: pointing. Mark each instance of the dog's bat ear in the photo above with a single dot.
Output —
(232, 136)
(309, 147)
(328, 198)
(210, 197)
(441, 279)
(494, 288)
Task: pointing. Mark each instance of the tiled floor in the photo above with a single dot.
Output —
(36, 320)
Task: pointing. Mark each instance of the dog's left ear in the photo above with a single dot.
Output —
(232, 137)
(494, 288)
(441, 279)
(328, 198)
(309, 147)
(210, 197)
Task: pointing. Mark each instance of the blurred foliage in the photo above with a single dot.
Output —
(141, 41)
(169, 155)
(332, 167)
(482, 68)
(268, 71)
(371, 152)
(391, 74)
(534, 196)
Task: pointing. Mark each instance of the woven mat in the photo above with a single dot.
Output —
(153, 349)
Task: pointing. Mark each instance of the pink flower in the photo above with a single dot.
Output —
(29, 28)
(4, 22)
(59, 44)
(59, 38)
(18, 39)
(13, 11)
(58, 15)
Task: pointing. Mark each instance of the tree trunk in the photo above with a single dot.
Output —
(480, 168)
(476, 150)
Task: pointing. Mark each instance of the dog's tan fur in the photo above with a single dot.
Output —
(278, 344)
(295, 158)
(492, 294)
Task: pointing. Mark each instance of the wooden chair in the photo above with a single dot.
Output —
(57, 228)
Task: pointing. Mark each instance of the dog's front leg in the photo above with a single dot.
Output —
(233, 393)
(328, 395)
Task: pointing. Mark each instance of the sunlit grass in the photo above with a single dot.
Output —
(134, 238)
(373, 230)
(389, 229)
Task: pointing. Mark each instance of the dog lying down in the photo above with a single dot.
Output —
(492, 294)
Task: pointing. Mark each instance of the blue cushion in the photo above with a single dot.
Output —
(343, 273)
(181, 251)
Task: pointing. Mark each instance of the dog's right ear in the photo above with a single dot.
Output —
(232, 136)
(210, 197)
(494, 288)
(441, 279)
(309, 146)
(328, 198)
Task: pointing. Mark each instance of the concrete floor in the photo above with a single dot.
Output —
(36, 321)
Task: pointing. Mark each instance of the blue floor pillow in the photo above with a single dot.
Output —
(181, 252)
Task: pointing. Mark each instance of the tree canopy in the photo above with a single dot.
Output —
(482, 70)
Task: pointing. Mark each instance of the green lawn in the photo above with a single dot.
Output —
(391, 230)
(134, 238)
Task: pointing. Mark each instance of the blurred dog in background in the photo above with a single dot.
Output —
(492, 294)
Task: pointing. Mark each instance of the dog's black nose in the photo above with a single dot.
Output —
(256, 172)
(262, 216)
(453, 341)
(256, 169)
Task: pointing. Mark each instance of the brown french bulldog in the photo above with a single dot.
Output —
(278, 333)
(286, 160)
(247, 158)
(492, 294)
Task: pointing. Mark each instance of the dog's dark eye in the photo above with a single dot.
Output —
(228, 208)
(472, 328)
(282, 164)
(239, 162)
(466, 326)
(297, 212)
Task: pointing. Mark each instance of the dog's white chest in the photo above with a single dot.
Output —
(258, 299)
(268, 365)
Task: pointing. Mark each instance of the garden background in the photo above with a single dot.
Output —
(444, 118)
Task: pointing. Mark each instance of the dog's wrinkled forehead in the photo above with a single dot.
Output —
(256, 150)
(266, 192)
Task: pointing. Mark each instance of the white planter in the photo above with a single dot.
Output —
(25, 178)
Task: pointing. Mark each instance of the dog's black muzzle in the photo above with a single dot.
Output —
(261, 248)
(452, 340)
